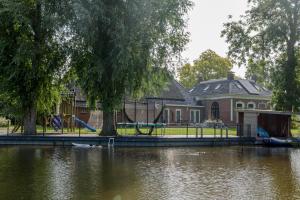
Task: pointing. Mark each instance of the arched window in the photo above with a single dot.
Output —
(215, 110)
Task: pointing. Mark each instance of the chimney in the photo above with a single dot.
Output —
(200, 78)
(254, 78)
(230, 76)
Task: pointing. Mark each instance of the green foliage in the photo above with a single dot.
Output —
(208, 66)
(266, 39)
(126, 47)
(187, 75)
(32, 52)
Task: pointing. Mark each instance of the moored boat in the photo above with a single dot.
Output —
(276, 142)
(86, 145)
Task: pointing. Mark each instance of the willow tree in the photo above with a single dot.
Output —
(32, 52)
(122, 46)
(266, 39)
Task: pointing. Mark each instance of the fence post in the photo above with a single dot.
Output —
(197, 129)
(8, 127)
(187, 130)
(201, 132)
(226, 132)
(215, 131)
(79, 129)
(221, 132)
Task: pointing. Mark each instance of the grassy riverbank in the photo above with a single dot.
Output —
(159, 131)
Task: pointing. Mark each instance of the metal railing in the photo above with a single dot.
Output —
(180, 130)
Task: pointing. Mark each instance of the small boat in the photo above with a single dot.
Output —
(275, 142)
(86, 145)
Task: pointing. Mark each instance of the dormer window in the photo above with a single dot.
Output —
(238, 85)
(218, 86)
(206, 88)
(257, 87)
(265, 89)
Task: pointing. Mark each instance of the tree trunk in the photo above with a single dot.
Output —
(108, 128)
(290, 79)
(30, 120)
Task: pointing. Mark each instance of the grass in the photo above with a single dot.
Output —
(178, 131)
(295, 132)
(159, 131)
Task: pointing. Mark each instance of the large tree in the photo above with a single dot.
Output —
(124, 46)
(32, 51)
(208, 66)
(266, 39)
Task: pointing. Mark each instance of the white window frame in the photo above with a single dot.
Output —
(249, 103)
(194, 111)
(257, 87)
(218, 86)
(238, 85)
(179, 115)
(206, 88)
(240, 102)
(167, 121)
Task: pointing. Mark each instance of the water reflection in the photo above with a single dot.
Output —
(149, 173)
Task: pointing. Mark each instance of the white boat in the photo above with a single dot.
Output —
(86, 145)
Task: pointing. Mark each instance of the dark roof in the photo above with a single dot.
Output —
(174, 93)
(229, 87)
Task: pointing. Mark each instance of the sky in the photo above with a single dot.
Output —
(205, 25)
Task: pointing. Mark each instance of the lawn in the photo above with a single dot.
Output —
(159, 131)
(179, 131)
(132, 131)
(295, 132)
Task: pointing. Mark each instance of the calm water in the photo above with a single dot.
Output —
(148, 173)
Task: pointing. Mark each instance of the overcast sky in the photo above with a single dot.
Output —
(205, 26)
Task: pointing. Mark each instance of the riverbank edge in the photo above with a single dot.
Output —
(129, 141)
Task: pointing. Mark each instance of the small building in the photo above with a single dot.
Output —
(277, 124)
(223, 97)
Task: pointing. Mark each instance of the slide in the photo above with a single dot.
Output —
(85, 125)
(262, 133)
(56, 123)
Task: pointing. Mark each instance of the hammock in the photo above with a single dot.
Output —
(138, 126)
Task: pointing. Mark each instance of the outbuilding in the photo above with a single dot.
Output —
(276, 123)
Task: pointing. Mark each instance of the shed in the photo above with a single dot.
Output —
(276, 123)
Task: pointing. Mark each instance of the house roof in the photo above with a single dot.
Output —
(224, 86)
(174, 93)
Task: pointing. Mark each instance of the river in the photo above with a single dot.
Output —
(37, 173)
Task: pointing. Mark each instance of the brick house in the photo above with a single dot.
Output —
(178, 107)
(223, 97)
